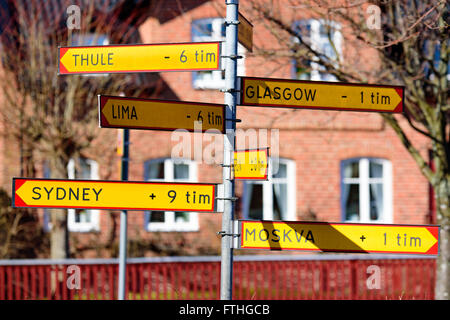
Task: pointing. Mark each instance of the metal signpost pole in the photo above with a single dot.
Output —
(123, 220)
(231, 41)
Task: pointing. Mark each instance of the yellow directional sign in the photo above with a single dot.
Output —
(194, 56)
(339, 237)
(284, 93)
(109, 195)
(251, 164)
(134, 113)
(245, 33)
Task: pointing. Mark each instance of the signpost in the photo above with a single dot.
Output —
(251, 164)
(229, 141)
(194, 56)
(152, 114)
(339, 237)
(123, 217)
(113, 195)
(285, 93)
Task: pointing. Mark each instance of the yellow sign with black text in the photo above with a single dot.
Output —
(284, 93)
(137, 113)
(113, 195)
(339, 237)
(251, 164)
(193, 56)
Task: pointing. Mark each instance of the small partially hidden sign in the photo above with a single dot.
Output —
(251, 164)
(338, 237)
(245, 33)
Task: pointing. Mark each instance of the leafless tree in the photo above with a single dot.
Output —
(54, 117)
(410, 47)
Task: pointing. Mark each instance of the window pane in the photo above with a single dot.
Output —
(282, 169)
(303, 29)
(82, 216)
(279, 201)
(319, 38)
(156, 216)
(181, 172)
(223, 30)
(351, 170)
(376, 201)
(156, 170)
(181, 217)
(376, 170)
(202, 29)
(351, 200)
(77, 217)
(256, 202)
(83, 169)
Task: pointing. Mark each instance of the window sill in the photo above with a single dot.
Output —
(85, 229)
(208, 85)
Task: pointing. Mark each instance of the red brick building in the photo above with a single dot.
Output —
(333, 166)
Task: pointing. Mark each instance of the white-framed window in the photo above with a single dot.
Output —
(170, 170)
(78, 220)
(213, 29)
(273, 199)
(324, 37)
(366, 185)
(82, 220)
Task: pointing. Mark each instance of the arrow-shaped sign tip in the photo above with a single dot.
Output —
(17, 201)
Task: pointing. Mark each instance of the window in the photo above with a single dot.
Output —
(78, 220)
(171, 171)
(366, 190)
(273, 199)
(213, 29)
(325, 38)
(81, 220)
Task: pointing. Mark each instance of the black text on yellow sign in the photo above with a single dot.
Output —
(284, 93)
(251, 164)
(112, 195)
(194, 56)
(339, 237)
(152, 114)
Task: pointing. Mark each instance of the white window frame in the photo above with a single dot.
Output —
(315, 40)
(94, 224)
(268, 196)
(216, 81)
(169, 224)
(364, 192)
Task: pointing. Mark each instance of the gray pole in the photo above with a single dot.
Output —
(123, 220)
(226, 275)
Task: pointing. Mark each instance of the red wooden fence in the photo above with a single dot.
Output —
(267, 277)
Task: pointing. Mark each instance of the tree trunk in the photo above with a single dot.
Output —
(59, 235)
(442, 290)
